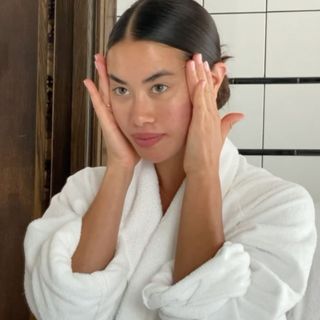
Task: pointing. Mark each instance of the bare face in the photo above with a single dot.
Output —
(149, 94)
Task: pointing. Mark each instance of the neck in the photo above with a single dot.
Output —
(171, 174)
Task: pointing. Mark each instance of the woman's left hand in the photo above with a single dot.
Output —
(207, 131)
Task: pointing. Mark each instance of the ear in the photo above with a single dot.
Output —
(219, 71)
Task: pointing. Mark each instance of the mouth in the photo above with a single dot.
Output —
(147, 140)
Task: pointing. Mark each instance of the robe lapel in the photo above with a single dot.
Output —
(151, 237)
(160, 248)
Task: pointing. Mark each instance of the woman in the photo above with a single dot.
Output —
(177, 225)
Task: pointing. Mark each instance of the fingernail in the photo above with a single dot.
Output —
(198, 58)
(96, 56)
(206, 66)
(192, 65)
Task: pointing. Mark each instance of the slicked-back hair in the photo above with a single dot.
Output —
(181, 24)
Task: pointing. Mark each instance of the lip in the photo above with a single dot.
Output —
(147, 139)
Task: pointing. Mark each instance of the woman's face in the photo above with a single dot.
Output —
(149, 94)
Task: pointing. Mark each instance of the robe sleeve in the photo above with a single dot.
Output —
(262, 269)
(53, 291)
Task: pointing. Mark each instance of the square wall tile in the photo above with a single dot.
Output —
(123, 5)
(218, 6)
(248, 99)
(244, 38)
(293, 44)
(287, 5)
(292, 116)
(302, 170)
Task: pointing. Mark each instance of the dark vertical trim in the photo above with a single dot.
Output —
(106, 11)
(83, 32)
(62, 90)
(43, 119)
(265, 74)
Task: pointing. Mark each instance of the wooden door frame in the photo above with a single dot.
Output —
(68, 137)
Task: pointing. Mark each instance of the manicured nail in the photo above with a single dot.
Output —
(192, 65)
(206, 66)
(198, 58)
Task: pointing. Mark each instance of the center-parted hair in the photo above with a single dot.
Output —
(181, 24)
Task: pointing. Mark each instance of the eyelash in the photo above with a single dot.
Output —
(115, 90)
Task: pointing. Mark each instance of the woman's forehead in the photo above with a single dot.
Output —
(144, 52)
(143, 59)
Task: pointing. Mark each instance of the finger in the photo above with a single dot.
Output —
(98, 104)
(211, 96)
(99, 57)
(199, 66)
(228, 121)
(199, 98)
(209, 76)
(202, 75)
(192, 78)
(103, 79)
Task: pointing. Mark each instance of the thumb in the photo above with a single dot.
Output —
(228, 121)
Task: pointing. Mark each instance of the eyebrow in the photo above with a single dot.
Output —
(154, 77)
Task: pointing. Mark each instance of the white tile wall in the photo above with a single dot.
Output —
(301, 170)
(248, 99)
(218, 6)
(293, 44)
(289, 5)
(272, 44)
(292, 116)
(123, 5)
(244, 36)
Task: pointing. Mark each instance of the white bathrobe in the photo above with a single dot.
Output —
(259, 273)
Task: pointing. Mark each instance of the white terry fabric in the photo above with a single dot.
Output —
(260, 272)
(308, 307)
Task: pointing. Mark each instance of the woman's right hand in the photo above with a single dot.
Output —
(119, 150)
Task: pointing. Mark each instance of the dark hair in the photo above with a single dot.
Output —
(182, 24)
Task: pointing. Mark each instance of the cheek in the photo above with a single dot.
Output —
(120, 117)
(182, 109)
(180, 116)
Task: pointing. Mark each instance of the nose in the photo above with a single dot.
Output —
(142, 112)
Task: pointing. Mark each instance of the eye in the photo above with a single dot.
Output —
(159, 88)
(120, 91)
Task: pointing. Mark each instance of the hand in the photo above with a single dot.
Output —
(120, 151)
(207, 131)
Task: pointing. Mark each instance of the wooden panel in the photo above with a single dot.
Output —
(105, 21)
(92, 25)
(62, 94)
(18, 61)
(82, 68)
(43, 107)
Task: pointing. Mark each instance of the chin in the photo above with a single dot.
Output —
(153, 158)
(153, 154)
(160, 155)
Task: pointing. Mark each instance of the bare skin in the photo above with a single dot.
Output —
(140, 107)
